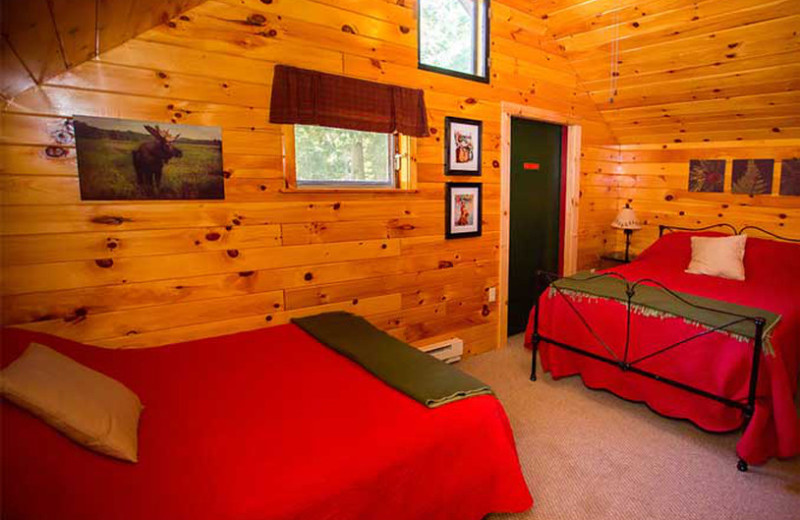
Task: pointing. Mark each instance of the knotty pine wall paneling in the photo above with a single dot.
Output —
(43, 38)
(689, 71)
(145, 273)
(654, 179)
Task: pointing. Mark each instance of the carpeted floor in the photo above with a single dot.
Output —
(589, 455)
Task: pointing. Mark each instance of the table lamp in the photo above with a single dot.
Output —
(626, 220)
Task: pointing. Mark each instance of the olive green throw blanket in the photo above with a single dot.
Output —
(418, 375)
(651, 300)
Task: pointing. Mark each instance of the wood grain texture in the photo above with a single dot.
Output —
(76, 25)
(689, 70)
(15, 77)
(700, 79)
(28, 27)
(654, 179)
(51, 36)
(144, 273)
(671, 52)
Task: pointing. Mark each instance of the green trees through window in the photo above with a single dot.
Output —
(453, 36)
(335, 156)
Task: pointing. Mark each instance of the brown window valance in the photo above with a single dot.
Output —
(307, 97)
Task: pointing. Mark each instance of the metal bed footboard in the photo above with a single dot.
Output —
(626, 365)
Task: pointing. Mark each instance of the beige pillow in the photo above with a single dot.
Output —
(85, 405)
(718, 256)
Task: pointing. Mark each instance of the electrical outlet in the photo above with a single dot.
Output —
(492, 294)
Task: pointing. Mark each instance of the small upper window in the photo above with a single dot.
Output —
(453, 37)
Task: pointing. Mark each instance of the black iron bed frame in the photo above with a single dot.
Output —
(626, 365)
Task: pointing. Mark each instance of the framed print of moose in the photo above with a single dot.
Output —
(462, 151)
(120, 159)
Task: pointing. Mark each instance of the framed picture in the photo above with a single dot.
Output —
(752, 176)
(463, 209)
(706, 175)
(790, 177)
(462, 150)
(121, 159)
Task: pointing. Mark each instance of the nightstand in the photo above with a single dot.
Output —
(616, 258)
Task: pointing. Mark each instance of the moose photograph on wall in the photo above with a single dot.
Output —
(120, 159)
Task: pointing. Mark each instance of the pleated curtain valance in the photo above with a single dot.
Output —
(307, 97)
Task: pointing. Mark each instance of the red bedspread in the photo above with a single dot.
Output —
(716, 362)
(268, 424)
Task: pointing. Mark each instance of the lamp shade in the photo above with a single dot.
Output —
(626, 219)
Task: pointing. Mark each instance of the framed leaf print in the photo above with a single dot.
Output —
(752, 176)
(790, 177)
(706, 175)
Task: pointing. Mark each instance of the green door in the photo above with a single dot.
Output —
(535, 213)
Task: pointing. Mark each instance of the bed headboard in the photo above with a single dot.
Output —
(663, 227)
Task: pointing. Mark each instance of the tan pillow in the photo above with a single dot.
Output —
(718, 256)
(85, 405)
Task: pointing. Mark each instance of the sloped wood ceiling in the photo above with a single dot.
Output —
(689, 70)
(43, 38)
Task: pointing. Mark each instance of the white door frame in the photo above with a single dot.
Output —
(573, 157)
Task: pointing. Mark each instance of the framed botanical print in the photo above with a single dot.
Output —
(752, 176)
(462, 151)
(463, 209)
(706, 175)
(790, 177)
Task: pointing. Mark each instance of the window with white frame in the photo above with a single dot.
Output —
(347, 157)
(324, 157)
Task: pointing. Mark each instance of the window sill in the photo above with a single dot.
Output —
(456, 73)
(347, 190)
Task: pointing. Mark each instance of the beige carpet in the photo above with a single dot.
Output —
(589, 455)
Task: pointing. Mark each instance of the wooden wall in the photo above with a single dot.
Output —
(599, 203)
(148, 273)
(43, 38)
(654, 179)
(687, 70)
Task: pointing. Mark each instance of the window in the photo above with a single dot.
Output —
(341, 132)
(453, 37)
(323, 157)
(349, 157)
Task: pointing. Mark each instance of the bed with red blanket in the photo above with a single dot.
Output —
(716, 362)
(267, 424)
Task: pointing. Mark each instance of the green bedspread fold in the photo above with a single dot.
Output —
(418, 375)
(655, 301)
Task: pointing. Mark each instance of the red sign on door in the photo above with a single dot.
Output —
(531, 166)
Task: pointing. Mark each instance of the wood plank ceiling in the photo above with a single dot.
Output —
(689, 70)
(686, 70)
(43, 38)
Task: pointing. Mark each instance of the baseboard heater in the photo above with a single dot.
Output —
(448, 351)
